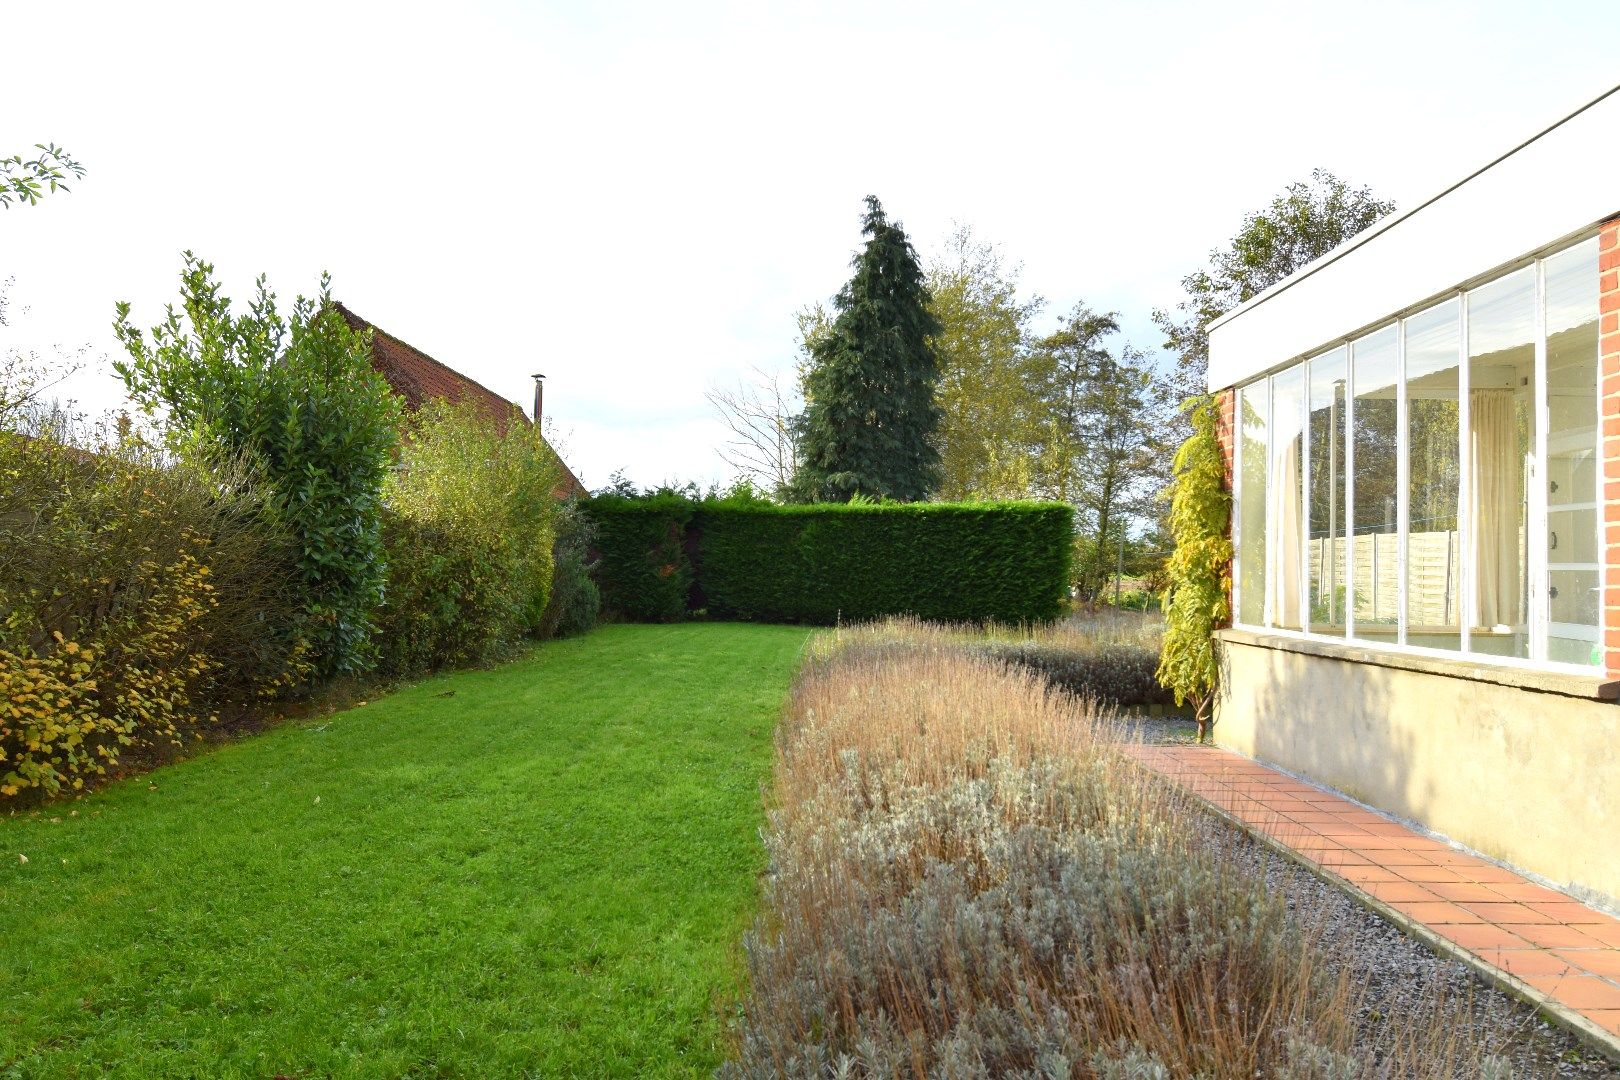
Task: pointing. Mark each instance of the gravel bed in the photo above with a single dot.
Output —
(1393, 974)
(1399, 976)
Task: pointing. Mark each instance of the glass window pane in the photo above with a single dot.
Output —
(1286, 487)
(1433, 551)
(1574, 587)
(1375, 571)
(1501, 371)
(1326, 502)
(1251, 554)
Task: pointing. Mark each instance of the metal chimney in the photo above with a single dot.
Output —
(539, 391)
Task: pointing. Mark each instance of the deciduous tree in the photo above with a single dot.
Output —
(988, 388)
(1306, 221)
(294, 396)
(1103, 449)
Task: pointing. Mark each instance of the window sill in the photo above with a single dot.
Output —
(1593, 687)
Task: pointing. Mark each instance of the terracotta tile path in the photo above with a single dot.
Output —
(1557, 951)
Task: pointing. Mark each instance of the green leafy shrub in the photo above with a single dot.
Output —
(644, 569)
(494, 483)
(296, 398)
(139, 597)
(576, 602)
(1197, 602)
(449, 599)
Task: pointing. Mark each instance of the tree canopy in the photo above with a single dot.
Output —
(988, 389)
(1306, 221)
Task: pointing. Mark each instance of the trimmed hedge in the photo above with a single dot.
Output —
(644, 570)
(824, 562)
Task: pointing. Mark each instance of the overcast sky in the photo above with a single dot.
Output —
(635, 198)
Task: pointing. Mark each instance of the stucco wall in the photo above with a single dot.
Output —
(1531, 778)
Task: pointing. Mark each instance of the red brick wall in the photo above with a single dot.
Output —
(1226, 413)
(1609, 360)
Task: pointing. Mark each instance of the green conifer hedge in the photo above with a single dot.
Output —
(743, 559)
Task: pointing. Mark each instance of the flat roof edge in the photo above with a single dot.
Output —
(1381, 227)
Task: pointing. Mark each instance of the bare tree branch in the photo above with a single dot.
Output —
(763, 446)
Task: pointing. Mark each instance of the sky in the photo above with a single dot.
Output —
(636, 198)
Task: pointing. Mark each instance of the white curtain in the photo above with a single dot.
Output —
(1288, 523)
(1496, 498)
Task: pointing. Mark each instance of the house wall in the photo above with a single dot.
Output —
(1526, 776)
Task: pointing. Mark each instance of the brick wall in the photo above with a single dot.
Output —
(1609, 359)
(1226, 413)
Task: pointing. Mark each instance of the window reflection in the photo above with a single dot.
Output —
(1375, 547)
(1286, 487)
(1433, 447)
(1326, 552)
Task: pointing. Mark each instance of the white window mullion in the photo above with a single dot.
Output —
(1237, 503)
(1465, 479)
(1305, 499)
(1540, 608)
(1349, 529)
(1402, 484)
(1267, 616)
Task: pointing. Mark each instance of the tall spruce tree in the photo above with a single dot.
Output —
(870, 415)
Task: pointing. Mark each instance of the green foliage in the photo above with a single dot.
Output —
(24, 180)
(449, 600)
(497, 486)
(819, 564)
(1306, 221)
(576, 601)
(1197, 602)
(991, 410)
(138, 596)
(1106, 452)
(294, 396)
(870, 415)
(645, 571)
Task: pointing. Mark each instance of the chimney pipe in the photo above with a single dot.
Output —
(539, 389)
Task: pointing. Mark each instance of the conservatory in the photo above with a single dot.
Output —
(1398, 489)
(1422, 431)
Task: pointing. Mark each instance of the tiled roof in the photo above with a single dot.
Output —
(418, 378)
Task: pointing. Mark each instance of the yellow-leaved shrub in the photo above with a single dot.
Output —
(72, 706)
(140, 596)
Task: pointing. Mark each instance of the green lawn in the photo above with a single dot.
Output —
(538, 870)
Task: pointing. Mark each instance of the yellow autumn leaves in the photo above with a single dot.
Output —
(68, 708)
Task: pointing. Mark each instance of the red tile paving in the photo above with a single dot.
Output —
(1544, 939)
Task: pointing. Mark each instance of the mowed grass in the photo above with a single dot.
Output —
(537, 870)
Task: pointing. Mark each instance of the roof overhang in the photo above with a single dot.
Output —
(1555, 186)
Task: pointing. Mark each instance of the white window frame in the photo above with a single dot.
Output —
(1538, 620)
